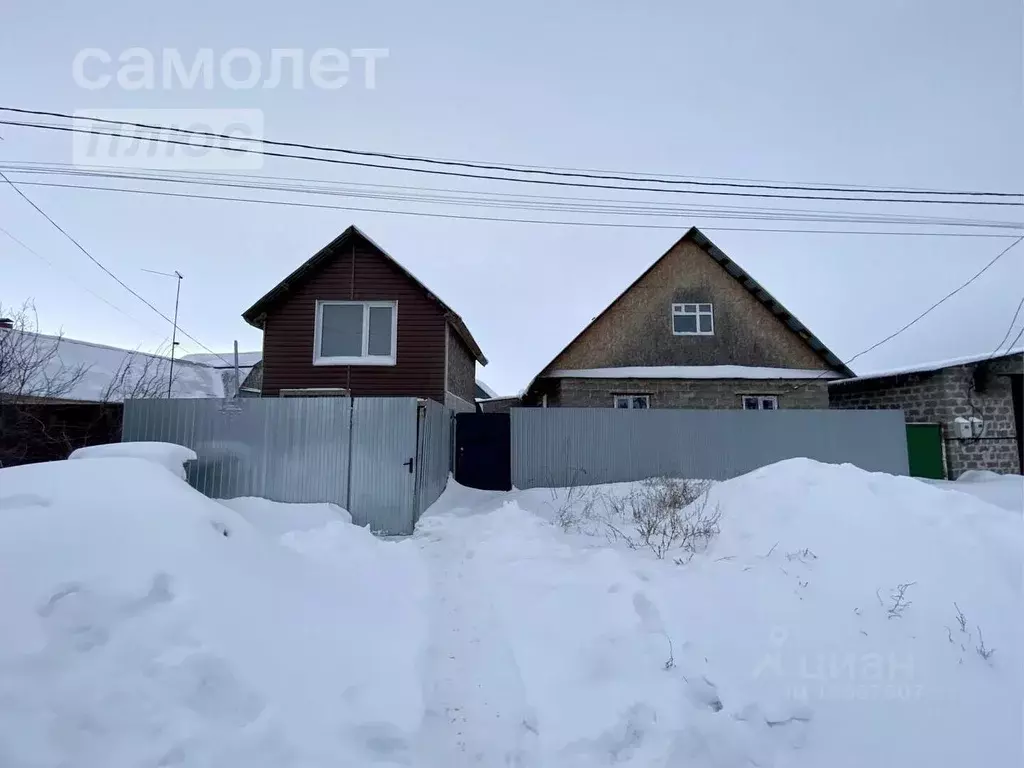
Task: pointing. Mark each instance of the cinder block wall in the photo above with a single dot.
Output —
(941, 396)
(724, 394)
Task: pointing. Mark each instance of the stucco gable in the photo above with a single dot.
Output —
(751, 327)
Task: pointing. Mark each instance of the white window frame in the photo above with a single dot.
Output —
(680, 310)
(630, 398)
(761, 399)
(365, 358)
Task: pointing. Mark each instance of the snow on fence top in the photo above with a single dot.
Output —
(695, 372)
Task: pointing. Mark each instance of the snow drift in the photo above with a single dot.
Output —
(167, 455)
(148, 625)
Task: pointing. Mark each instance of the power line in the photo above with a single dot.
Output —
(928, 311)
(485, 177)
(49, 263)
(1013, 343)
(99, 264)
(29, 166)
(603, 206)
(1009, 330)
(500, 219)
(515, 168)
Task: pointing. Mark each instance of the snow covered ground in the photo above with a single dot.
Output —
(148, 625)
(1006, 491)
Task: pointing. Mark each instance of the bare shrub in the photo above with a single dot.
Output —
(960, 618)
(663, 514)
(899, 600)
(985, 653)
(140, 376)
(575, 509)
(31, 367)
(30, 364)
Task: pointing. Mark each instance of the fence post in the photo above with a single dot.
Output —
(348, 468)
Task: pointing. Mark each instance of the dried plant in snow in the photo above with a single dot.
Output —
(663, 514)
(899, 600)
(985, 653)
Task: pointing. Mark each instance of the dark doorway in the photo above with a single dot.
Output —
(1017, 386)
(483, 450)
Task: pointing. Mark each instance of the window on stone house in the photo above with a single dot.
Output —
(760, 402)
(693, 320)
(634, 402)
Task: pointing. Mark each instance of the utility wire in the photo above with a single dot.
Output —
(99, 264)
(531, 202)
(1009, 330)
(486, 177)
(928, 311)
(501, 219)
(1013, 343)
(77, 284)
(76, 169)
(512, 168)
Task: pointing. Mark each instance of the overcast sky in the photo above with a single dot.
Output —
(905, 93)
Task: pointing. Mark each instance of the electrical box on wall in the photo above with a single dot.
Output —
(977, 426)
(961, 428)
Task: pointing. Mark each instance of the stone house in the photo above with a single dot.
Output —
(695, 330)
(961, 414)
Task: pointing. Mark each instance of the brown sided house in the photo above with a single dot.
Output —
(693, 331)
(352, 321)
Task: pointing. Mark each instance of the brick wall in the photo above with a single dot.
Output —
(940, 397)
(461, 368)
(690, 393)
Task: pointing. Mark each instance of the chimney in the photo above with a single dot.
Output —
(6, 323)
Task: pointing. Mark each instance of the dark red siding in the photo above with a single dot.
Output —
(356, 273)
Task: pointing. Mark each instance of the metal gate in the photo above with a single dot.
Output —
(483, 450)
(382, 466)
(385, 459)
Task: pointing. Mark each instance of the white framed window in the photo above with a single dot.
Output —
(355, 333)
(760, 402)
(634, 402)
(693, 320)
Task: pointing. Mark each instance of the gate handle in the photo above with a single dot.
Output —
(409, 465)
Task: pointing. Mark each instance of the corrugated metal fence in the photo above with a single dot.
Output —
(435, 454)
(385, 459)
(585, 446)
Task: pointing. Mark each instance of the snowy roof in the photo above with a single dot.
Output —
(695, 372)
(225, 359)
(937, 365)
(487, 391)
(103, 365)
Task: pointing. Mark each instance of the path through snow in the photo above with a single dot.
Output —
(475, 702)
(545, 652)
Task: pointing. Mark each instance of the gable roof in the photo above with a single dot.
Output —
(741, 276)
(255, 314)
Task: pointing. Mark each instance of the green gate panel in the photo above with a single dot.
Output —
(924, 450)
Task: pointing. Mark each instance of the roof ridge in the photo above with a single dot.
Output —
(743, 278)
